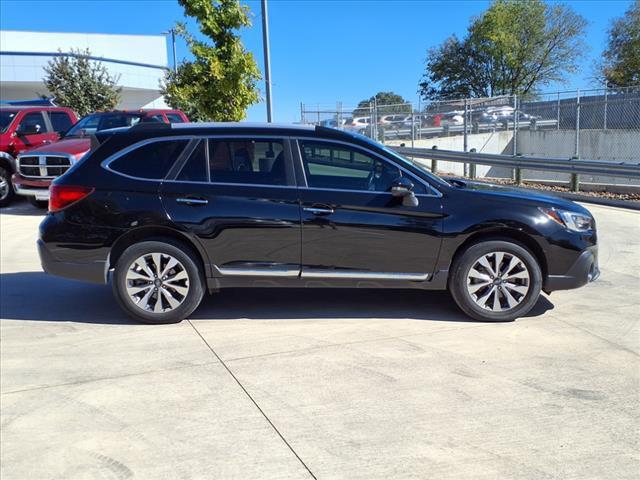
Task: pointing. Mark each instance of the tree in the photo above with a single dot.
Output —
(220, 83)
(81, 84)
(387, 102)
(514, 47)
(620, 65)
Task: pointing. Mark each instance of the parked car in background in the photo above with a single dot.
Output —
(357, 124)
(23, 128)
(167, 212)
(36, 169)
(452, 118)
(333, 123)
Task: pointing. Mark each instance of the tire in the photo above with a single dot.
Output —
(186, 288)
(6, 188)
(38, 203)
(474, 285)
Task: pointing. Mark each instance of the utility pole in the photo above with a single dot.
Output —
(267, 59)
(172, 31)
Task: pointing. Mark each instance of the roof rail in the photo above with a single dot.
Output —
(150, 125)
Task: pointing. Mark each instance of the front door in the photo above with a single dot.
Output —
(238, 197)
(39, 135)
(352, 226)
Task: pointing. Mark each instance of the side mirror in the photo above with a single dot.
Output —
(403, 187)
(28, 130)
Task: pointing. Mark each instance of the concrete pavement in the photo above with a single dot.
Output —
(326, 384)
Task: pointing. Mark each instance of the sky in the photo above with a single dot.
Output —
(322, 51)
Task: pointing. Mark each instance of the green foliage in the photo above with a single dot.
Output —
(220, 83)
(388, 103)
(621, 60)
(81, 84)
(514, 47)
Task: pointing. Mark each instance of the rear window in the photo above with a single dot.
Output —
(151, 161)
(174, 118)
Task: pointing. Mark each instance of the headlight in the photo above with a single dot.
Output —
(574, 221)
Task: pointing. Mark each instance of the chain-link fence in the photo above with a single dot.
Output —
(600, 124)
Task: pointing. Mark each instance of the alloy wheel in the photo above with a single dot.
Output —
(4, 187)
(157, 282)
(498, 281)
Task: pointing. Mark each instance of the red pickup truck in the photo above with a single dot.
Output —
(37, 168)
(23, 128)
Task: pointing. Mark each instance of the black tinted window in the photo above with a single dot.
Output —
(195, 170)
(174, 118)
(152, 160)
(61, 121)
(32, 119)
(336, 166)
(247, 161)
(6, 117)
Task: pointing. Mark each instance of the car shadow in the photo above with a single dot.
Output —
(36, 296)
(23, 208)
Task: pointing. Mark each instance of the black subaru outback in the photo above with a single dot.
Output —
(167, 212)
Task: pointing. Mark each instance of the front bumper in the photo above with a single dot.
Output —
(31, 187)
(584, 270)
(94, 272)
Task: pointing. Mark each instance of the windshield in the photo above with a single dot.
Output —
(6, 117)
(95, 123)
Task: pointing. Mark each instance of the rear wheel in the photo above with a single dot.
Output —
(496, 281)
(158, 282)
(6, 189)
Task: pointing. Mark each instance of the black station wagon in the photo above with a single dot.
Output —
(167, 212)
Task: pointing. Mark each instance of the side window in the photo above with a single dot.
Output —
(247, 161)
(152, 160)
(336, 166)
(61, 121)
(86, 126)
(33, 118)
(117, 120)
(195, 170)
(174, 118)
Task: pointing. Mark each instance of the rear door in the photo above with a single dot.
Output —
(61, 121)
(352, 227)
(237, 195)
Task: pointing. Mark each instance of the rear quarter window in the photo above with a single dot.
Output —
(150, 161)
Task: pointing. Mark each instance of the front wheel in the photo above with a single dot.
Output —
(6, 189)
(496, 281)
(158, 282)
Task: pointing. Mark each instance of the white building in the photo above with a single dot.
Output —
(138, 60)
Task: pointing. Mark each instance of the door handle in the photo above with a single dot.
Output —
(192, 201)
(319, 210)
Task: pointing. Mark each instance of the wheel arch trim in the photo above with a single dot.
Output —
(506, 234)
(149, 232)
(9, 160)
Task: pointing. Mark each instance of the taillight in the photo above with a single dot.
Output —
(61, 196)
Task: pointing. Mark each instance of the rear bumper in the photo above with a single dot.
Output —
(94, 272)
(31, 187)
(584, 270)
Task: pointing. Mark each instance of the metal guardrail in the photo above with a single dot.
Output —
(391, 132)
(590, 167)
